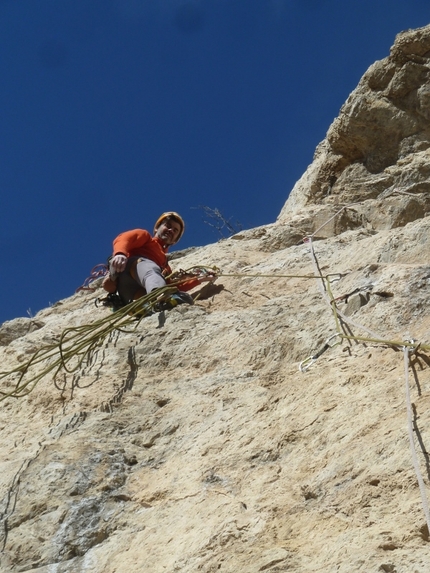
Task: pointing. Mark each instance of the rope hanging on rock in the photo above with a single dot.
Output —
(340, 318)
(408, 347)
(421, 484)
(77, 345)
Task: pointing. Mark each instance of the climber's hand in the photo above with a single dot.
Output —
(118, 263)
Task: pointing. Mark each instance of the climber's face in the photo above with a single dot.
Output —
(168, 231)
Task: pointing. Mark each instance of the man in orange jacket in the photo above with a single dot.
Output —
(139, 260)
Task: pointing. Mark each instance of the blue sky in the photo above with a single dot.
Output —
(113, 111)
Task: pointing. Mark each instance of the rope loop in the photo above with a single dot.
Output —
(97, 272)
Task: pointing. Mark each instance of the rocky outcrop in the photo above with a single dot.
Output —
(376, 154)
(193, 442)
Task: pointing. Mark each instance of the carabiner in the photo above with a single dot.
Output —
(305, 364)
(338, 334)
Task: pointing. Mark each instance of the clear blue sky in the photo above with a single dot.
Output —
(113, 111)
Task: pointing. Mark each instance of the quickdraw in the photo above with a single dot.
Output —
(305, 364)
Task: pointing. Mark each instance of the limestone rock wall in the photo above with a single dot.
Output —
(194, 443)
(376, 152)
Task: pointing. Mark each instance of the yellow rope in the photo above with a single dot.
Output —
(274, 275)
(79, 343)
(396, 343)
(328, 296)
(333, 307)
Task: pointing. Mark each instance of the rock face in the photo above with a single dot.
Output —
(195, 443)
(376, 153)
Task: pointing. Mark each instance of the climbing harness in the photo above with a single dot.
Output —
(178, 279)
(111, 300)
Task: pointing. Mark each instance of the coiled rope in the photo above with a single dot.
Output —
(77, 344)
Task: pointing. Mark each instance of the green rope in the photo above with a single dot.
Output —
(394, 343)
(333, 306)
(262, 275)
(77, 344)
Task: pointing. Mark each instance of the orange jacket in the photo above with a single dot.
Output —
(140, 243)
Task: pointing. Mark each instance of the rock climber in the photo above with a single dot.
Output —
(139, 262)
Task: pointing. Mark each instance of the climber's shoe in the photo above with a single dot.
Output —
(174, 300)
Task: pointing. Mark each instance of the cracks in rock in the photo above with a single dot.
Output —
(12, 497)
(127, 384)
(62, 427)
(85, 521)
